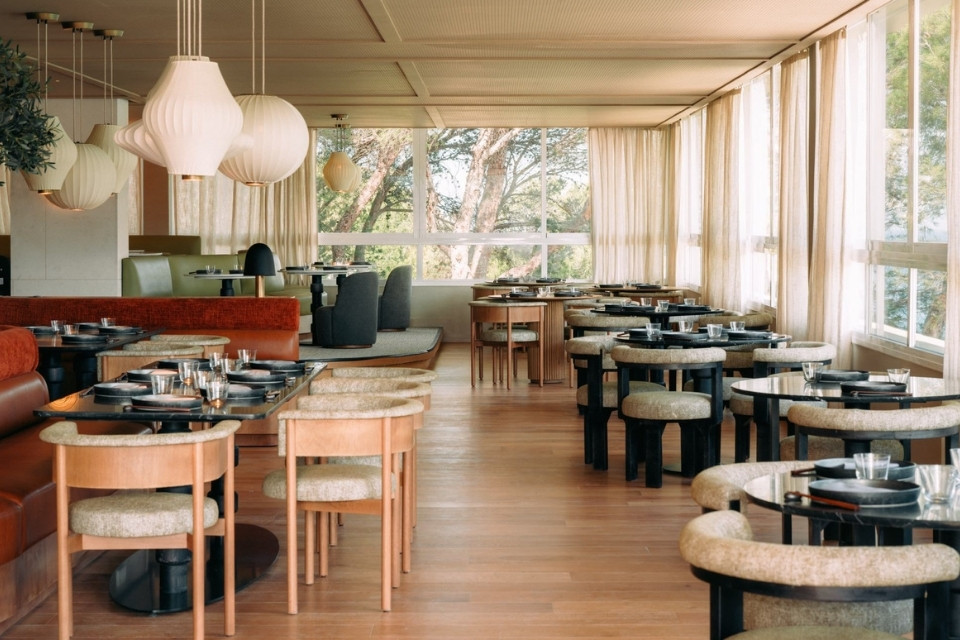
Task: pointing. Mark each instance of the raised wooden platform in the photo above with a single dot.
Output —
(415, 347)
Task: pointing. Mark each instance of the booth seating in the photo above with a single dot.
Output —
(28, 570)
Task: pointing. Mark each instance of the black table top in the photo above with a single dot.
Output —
(794, 387)
(85, 405)
(672, 310)
(675, 339)
(54, 343)
(768, 491)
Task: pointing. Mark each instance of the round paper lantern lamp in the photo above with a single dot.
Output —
(340, 173)
(63, 153)
(280, 140)
(103, 136)
(192, 116)
(89, 183)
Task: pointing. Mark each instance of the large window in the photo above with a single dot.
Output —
(463, 204)
(908, 185)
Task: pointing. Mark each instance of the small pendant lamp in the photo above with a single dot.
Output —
(340, 173)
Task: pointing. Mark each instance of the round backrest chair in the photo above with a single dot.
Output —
(111, 364)
(407, 374)
(698, 412)
(210, 344)
(722, 552)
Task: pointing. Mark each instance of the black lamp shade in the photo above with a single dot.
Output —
(259, 261)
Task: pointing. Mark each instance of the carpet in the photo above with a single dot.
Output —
(390, 344)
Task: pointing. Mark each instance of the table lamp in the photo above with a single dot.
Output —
(259, 263)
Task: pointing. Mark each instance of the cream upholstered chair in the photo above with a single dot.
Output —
(698, 413)
(720, 488)
(597, 397)
(767, 362)
(111, 364)
(848, 431)
(589, 323)
(722, 552)
(407, 374)
(359, 425)
(322, 388)
(210, 344)
(137, 517)
(492, 325)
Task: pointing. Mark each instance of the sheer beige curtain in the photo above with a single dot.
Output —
(837, 274)
(631, 197)
(724, 230)
(229, 216)
(951, 355)
(794, 234)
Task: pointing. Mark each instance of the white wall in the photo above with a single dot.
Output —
(56, 252)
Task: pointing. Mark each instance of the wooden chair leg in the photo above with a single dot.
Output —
(309, 546)
(324, 526)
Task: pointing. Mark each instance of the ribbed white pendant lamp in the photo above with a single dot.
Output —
(190, 114)
(135, 139)
(103, 134)
(278, 132)
(340, 173)
(62, 152)
(92, 178)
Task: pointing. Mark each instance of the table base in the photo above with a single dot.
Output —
(141, 584)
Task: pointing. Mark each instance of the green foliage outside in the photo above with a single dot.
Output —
(25, 133)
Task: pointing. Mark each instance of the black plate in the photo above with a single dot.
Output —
(867, 493)
(279, 366)
(41, 330)
(261, 377)
(618, 285)
(174, 363)
(844, 468)
(88, 326)
(693, 307)
(839, 375)
(549, 280)
(749, 335)
(567, 293)
(118, 330)
(82, 338)
(236, 272)
(877, 387)
(236, 391)
(166, 402)
(143, 375)
(300, 268)
(506, 280)
(120, 389)
(523, 294)
(644, 286)
(683, 336)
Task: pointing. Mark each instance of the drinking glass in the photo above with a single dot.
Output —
(57, 326)
(71, 329)
(246, 356)
(216, 362)
(187, 370)
(217, 389)
(107, 322)
(202, 377)
(228, 365)
(646, 302)
(937, 481)
(736, 325)
(690, 301)
(871, 466)
(955, 457)
(714, 331)
(543, 292)
(653, 329)
(685, 326)
(811, 370)
(663, 305)
(900, 376)
(162, 382)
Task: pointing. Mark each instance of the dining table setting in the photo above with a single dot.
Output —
(173, 393)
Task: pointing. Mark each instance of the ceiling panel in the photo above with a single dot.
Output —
(425, 63)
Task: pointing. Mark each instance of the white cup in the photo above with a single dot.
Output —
(871, 466)
(162, 382)
(736, 325)
(900, 376)
(714, 331)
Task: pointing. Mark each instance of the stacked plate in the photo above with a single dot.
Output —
(41, 330)
(236, 391)
(258, 377)
(116, 330)
(279, 366)
(120, 389)
(844, 468)
(82, 338)
(166, 402)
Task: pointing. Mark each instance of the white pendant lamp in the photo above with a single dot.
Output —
(135, 139)
(103, 135)
(62, 152)
(340, 173)
(278, 132)
(93, 177)
(190, 115)
(89, 183)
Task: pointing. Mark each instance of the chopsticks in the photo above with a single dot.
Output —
(794, 496)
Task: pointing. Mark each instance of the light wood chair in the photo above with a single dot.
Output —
(136, 517)
(722, 552)
(359, 425)
(322, 388)
(507, 338)
(111, 364)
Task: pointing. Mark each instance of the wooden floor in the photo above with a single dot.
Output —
(517, 538)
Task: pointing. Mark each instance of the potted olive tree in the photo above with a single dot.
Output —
(25, 130)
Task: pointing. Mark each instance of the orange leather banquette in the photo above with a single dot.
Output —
(269, 325)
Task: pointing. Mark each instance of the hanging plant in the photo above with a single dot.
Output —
(25, 130)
